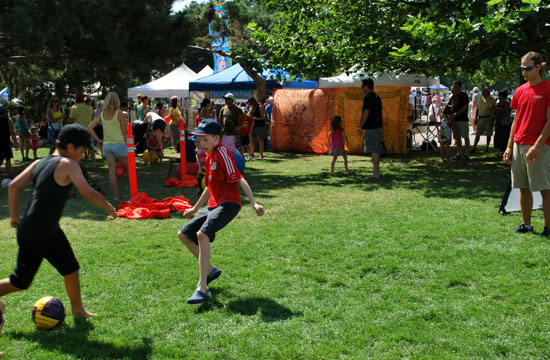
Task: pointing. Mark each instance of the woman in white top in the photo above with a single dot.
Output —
(113, 145)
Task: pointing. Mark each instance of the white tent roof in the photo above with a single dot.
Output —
(206, 71)
(387, 79)
(176, 82)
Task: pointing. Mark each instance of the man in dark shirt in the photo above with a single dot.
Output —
(459, 100)
(371, 122)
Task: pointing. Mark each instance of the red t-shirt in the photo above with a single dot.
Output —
(245, 122)
(222, 177)
(531, 103)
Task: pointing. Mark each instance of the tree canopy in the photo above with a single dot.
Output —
(64, 46)
(446, 38)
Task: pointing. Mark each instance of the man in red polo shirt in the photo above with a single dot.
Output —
(222, 179)
(528, 148)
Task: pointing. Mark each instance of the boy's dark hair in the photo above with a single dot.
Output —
(368, 82)
(336, 123)
(229, 128)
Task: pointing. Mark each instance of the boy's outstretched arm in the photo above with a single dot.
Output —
(205, 194)
(15, 187)
(74, 173)
(246, 188)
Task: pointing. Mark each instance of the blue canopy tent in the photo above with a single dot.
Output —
(235, 78)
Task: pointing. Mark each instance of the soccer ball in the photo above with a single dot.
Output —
(48, 312)
(5, 183)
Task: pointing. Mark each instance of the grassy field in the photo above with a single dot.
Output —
(418, 265)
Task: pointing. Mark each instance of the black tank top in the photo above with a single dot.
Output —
(256, 113)
(42, 215)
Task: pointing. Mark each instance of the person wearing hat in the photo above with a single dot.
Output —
(39, 235)
(82, 114)
(484, 118)
(229, 111)
(222, 180)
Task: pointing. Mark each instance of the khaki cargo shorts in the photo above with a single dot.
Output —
(533, 176)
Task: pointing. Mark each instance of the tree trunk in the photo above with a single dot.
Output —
(259, 81)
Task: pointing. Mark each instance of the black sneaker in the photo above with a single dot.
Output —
(522, 229)
(545, 232)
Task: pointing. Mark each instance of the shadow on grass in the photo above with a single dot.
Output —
(270, 310)
(74, 341)
(483, 176)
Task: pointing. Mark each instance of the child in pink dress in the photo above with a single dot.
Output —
(338, 141)
(229, 136)
(35, 138)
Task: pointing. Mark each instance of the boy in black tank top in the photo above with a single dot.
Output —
(38, 233)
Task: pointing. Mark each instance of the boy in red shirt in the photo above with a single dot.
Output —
(528, 148)
(222, 179)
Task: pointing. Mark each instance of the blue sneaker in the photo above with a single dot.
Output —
(199, 297)
(213, 275)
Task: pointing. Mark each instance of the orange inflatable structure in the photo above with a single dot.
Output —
(300, 120)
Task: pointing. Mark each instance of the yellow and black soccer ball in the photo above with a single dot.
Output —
(48, 312)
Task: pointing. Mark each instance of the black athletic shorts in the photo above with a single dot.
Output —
(211, 220)
(55, 248)
(245, 140)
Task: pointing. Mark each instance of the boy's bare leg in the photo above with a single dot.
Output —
(7, 288)
(2, 310)
(193, 248)
(72, 284)
(204, 260)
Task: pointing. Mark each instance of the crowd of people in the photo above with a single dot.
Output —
(39, 236)
(488, 115)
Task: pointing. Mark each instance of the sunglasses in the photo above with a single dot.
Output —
(528, 67)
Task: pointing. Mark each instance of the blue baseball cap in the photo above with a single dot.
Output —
(208, 126)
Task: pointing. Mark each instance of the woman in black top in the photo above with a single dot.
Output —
(259, 128)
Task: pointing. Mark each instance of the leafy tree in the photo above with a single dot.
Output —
(64, 46)
(241, 13)
(447, 38)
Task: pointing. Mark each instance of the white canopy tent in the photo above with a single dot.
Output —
(354, 80)
(176, 82)
(206, 71)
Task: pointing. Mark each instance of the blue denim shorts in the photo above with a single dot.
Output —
(116, 150)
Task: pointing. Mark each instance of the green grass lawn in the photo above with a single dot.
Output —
(417, 265)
